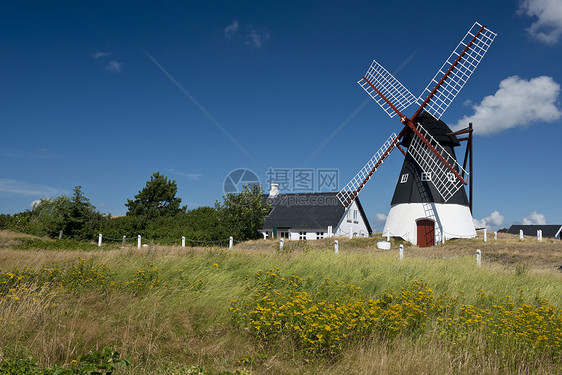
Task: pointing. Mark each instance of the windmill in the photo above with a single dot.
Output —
(429, 203)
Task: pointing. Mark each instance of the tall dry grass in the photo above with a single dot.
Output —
(185, 321)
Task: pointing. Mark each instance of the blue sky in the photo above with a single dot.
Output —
(103, 94)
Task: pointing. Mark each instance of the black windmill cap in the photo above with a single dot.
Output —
(437, 128)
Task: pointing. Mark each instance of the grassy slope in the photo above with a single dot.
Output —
(187, 322)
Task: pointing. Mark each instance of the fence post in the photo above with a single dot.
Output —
(139, 241)
(230, 242)
(485, 235)
(478, 258)
(539, 234)
(350, 233)
(60, 234)
(182, 241)
(281, 242)
(520, 234)
(99, 240)
(388, 236)
(495, 235)
(401, 252)
(123, 242)
(337, 247)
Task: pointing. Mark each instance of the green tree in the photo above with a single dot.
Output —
(50, 216)
(156, 199)
(20, 221)
(242, 215)
(4, 221)
(76, 217)
(84, 220)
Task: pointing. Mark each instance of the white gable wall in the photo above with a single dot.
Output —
(352, 220)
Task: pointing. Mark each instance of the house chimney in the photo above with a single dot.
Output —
(274, 190)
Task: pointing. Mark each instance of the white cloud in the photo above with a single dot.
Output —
(100, 54)
(479, 223)
(41, 153)
(379, 221)
(258, 36)
(13, 187)
(548, 26)
(495, 219)
(534, 218)
(517, 103)
(255, 36)
(231, 29)
(380, 218)
(190, 176)
(114, 66)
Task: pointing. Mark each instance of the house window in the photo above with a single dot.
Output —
(302, 235)
(355, 216)
(404, 178)
(319, 235)
(426, 176)
(284, 234)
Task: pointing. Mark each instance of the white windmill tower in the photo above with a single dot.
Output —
(430, 203)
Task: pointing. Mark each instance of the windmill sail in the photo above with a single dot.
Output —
(378, 78)
(457, 69)
(353, 187)
(445, 181)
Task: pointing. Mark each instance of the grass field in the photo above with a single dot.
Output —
(255, 310)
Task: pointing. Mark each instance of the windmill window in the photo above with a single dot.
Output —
(451, 176)
(404, 178)
(349, 216)
(355, 216)
(302, 235)
(426, 176)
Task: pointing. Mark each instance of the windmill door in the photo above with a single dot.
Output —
(426, 233)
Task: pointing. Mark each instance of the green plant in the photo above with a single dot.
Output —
(27, 366)
(103, 362)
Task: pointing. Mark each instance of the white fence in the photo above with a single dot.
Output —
(521, 234)
(230, 241)
(183, 241)
(402, 249)
(339, 248)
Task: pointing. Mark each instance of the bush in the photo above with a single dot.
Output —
(75, 216)
(103, 362)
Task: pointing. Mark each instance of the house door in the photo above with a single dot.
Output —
(426, 233)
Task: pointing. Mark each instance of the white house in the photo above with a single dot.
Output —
(300, 216)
